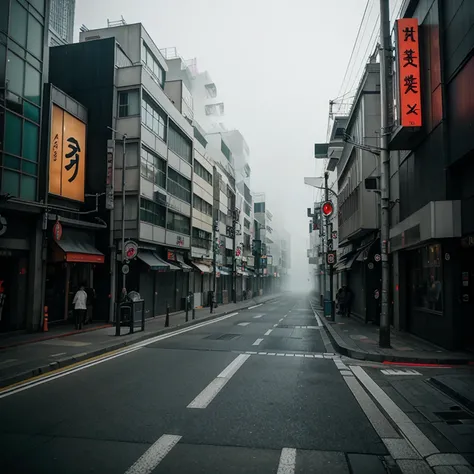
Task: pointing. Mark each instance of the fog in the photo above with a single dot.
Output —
(276, 65)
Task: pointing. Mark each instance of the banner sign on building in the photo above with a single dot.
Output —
(109, 182)
(67, 155)
(408, 65)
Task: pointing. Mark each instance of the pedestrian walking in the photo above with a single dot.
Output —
(340, 300)
(80, 306)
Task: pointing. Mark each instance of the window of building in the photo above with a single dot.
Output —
(247, 208)
(35, 37)
(18, 23)
(28, 187)
(225, 150)
(181, 145)
(152, 212)
(15, 73)
(259, 207)
(201, 239)
(153, 168)
(200, 137)
(128, 103)
(30, 141)
(153, 65)
(201, 205)
(38, 4)
(31, 112)
(179, 186)
(153, 117)
(426, 276)
(178, 223)
(13, 133)
(247, 245)
(246, 224)
(202, 172)
(32, 85)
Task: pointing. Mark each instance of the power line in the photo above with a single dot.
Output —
(353, 48)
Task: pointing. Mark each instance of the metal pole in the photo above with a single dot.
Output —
(124, 277)
(327, 237)
(214, 263)
(331, 281)
(385, 56)
(322, 272)
(234, 262)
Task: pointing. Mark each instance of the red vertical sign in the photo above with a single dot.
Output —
(408, 51)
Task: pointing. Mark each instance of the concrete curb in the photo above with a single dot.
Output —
(137, 337)
(469, 404)
(342, 348)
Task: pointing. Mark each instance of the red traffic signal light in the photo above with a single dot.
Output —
(327, 208)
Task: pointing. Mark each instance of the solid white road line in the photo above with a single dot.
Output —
(146, 463)
(287, 464)
(257, 342)
(39, 380)
(414, 435)
(268, 332)
(258, 316)
(211, 391)
(256, 306)
(243, 324)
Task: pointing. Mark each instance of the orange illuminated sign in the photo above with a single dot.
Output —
(67, 155)
(408, 50)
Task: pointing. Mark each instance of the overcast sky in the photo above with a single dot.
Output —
(276, 64)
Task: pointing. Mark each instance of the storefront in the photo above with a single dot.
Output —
(202, 282)
(72, 262)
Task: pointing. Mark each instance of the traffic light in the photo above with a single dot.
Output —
(327, 209)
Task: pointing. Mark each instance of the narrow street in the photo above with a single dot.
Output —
(258, 391)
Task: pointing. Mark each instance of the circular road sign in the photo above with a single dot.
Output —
(125, 269)
(131, 250)
(377, 257)
(327, 208)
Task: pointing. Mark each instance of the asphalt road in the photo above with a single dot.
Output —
(256, 392)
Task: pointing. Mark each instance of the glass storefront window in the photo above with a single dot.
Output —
(31, 112)
(11, 182)
(426, 278)
(18, 19)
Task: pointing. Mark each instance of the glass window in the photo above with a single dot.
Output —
(178, 223)
(32, 85)
(128, 103)
(426, 275)
(154, 118)
(18, 19)
(11, 162)
(38, 4)
(32, 112)
(179, 144)
(28, 187)
(15, 73)
(3, 57)
(4, 6)
(28, 167)
(11, 183)
(152, 212)
(12, 134)
(153, 168)
(30, 141)
(179, 186)
(202, 172)
(35, 37)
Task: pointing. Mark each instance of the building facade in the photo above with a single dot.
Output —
(61, 22)
(23, 73)
(432, 178)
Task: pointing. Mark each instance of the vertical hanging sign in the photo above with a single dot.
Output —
(408, 58)
(109, 183)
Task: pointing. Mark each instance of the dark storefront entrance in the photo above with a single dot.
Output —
(71, 262)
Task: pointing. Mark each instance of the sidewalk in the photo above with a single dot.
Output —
(23, 356)
(357, 340)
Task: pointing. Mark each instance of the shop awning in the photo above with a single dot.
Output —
(153, 261)
(184, 266)
(79, 251)
(242, 272)
(348, 260)
(202, 267)
(225, 271)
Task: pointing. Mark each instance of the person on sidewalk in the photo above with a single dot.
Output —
(340, 300)
(348, 299)
(80, 306)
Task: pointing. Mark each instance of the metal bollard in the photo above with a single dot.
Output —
(187, 309)
(194, 313)
(167, 319)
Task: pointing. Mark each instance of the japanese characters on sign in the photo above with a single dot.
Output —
(408, 52)
(67, 155)
(109, 183)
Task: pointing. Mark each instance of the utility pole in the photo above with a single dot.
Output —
(385, 64)
(322, 273)
(234, 263)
